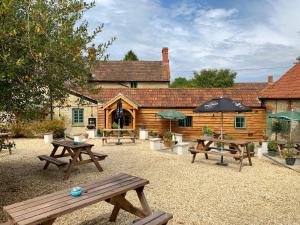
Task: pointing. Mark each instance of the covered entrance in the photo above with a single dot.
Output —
(129, 112)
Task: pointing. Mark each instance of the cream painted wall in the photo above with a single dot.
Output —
(65, 112)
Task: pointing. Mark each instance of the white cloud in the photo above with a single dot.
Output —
(200, 37)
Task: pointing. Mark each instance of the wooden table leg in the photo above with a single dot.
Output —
(52, 154)
(88, 150)
(194, 157)
(73, 161)
(241, 159)
(143, 201)
(115, 211)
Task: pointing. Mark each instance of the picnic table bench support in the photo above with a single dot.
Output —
(120, 202)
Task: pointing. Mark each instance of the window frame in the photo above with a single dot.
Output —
(185, 123)
(133, 84)
(235, 122)
(78, 110)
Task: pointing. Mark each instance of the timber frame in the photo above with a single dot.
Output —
(127, 103)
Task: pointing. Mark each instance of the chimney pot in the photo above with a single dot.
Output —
(270, 79)
(165, 54)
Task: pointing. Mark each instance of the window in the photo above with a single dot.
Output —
(187, 122)
(77, 116)
(133, 84)
(240, 122)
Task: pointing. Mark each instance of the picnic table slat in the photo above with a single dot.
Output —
(69, 208)
(68, 199)
(59, 194)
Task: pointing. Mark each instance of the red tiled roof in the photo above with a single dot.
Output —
(132, 71)
(288, 86)
(174, 97)
(251, 85)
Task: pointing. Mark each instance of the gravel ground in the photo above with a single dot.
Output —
(199, 193)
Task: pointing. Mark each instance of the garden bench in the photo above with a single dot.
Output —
(52, 160)
(238, 153)
(104, 139)
(157, 218)
(45, 209)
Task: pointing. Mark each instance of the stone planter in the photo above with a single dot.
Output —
(143, 134)
(272, 153)
(155, 144)
(181, 148)
(48, 138)
(78, 139)
(91, 133)
(177, 138)
(264, 147)
(290, 161)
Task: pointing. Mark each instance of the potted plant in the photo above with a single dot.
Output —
(207, 131)
(167, 137)
(152, 134)
(277, 128)
(272, 148)
(289, 157)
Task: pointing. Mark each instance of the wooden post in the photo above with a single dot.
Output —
(106, 118)
(133, 118)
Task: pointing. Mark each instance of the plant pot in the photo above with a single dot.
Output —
(290, 161)
(168, 144)
(48, 138)
(272, 153)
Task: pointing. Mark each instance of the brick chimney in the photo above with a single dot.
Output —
(270, 79)
(165, 55)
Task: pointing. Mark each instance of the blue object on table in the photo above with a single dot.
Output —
(76, 191)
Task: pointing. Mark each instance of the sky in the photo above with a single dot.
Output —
(255, 38)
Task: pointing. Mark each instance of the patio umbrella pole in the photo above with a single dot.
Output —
(170, 125)
(222, 163)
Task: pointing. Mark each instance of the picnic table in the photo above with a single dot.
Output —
(45, 209)
(238, 149)
(76, 152)
(118, 134)
(5, 142)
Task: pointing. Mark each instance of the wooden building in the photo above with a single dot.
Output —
(141, 105)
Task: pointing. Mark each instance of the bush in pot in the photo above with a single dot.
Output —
(168, 138)
(289, 157)
(207, 131)
(251, 147)
(152, 134)
(272, 148)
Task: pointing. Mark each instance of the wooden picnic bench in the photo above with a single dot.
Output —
(157, 218)
(75, 151)
(6, 143)
(239, 149)
(118, 134)
(45, 209)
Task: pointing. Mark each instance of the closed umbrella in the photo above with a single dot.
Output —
(119, 117)
(222, 105)
(171, 115)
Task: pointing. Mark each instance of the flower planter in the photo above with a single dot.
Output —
(48, 138)
(143, 134)
(155, 144)
(181, 148)
(167, 144)
(272, 153)
(290, 161)
(91, 133)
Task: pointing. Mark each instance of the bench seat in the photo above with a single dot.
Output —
(52, 160)
(97, 155)
(156, 218)
(6, 223)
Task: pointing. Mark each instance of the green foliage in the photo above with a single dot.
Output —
(115, 126)
(167, 136)
(207, 131)
(44, 47)
(56, 127)
(272, 146)
(130, 56)
(99, 132)
(207, 78)
(180, 82)
(277, 128)
(288, 154)
(20, 130)
(152, 133)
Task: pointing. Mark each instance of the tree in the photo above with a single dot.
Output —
(180, 82)
(45, 48)
(277, 128)
(130, 56)
(207, 78)
(212, 78)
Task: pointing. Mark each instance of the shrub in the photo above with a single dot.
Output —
(207, 131)
(288, 154)
(168, 136)
(251, 147)
(272, 146)
(152, 133)
(99, 132)
(115, 126)
(20, 129)
(56, 127)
